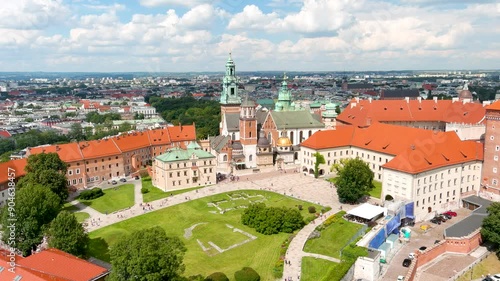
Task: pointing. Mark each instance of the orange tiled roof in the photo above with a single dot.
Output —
(68, 152)
(182, 133)
(403, 143)
(18, 167)
(98, 148)
(159, 137)
(128, 142)
(425, 157)
(61, 265)
(358, 113)
(494, 106)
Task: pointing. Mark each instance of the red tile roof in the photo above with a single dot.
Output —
(365, 111)
(159, 137)
(5, 134)
(494, 106)
(182, 133)
(61, 265)
(68, 152)
(434, 148)
(98, 148)
(129, 142)
(16, 165)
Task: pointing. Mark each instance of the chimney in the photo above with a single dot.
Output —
(370, 99)
(353, 104)
(419, 99)
(357, 99)
(58, 148)
(180, 126)
(435, 99)
(407, 99)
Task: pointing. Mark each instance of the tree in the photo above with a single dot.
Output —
(354, 179)
(491, 226)
(217, 276)
(36, 206)
(48, 170)
(246, 274)
(338, 110)
(320, 159)
(76, 132)
(67, 234)
(148, 255)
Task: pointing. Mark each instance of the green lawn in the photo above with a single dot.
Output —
(68, 207)
(113, 199)
(81, 216)
(490, 265)
(314, 269)
(333, 237)
(260, 254)
(377, 191)
(156, 193)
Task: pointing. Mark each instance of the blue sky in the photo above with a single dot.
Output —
(285, 35)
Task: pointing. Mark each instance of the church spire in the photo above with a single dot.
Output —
(284, 97)
(229, 93)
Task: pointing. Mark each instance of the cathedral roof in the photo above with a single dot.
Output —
(284, 141)
(300, 119)
(263, 141)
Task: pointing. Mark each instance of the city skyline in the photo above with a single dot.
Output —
(294, 35)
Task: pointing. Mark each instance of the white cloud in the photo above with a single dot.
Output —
(31, 14)
(159, 3)
(199, 17)
(253, 18)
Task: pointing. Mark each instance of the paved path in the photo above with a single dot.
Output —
(287, 182)
(137, 192)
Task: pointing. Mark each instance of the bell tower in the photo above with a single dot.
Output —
(248, 132)
(230, 99)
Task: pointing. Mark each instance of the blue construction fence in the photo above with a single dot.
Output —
(406, 211)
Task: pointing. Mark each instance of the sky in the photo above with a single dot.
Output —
(281, 35)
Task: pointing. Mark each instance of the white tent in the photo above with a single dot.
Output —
(367, 211)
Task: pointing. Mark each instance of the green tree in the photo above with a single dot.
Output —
(320, 159)
(67, 234)
(354, 179)
(147, 255)
(48, 170)
(217, 276)
(36, 206)
(246, 274)
(491, 226)
(337, 109)
(76, 132)
(124, 127)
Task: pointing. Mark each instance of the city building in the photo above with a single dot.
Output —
(460, 115)
(92, 162)
(491, 168)
(431, 168)
(184, 168)
(11, 172)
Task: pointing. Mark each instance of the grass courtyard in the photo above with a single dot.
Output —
(490, 265)
(333, 237)
(156, 193)
(260, 254)
(81, 216)
(114, 199)
(377, 191)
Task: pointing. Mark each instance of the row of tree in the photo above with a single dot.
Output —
(187, 110)
(38, 200)
(272, 220)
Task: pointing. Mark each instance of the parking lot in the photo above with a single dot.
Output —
(427, 238)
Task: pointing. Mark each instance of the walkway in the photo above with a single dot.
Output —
(287, 182)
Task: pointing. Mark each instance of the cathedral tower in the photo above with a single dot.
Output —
(229, 99)
(248, 132)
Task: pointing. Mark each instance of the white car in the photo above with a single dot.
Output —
(401, 278)
(411, 256)
(495, 277)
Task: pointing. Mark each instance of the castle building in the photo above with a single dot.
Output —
(431, 168)
(241, 145)
(491, 169)
(184, 168)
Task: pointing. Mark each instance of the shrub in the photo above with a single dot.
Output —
(144, 190)
(311, 209)
(198, 277)
(300, 207)
(91, 194)
(272, 220)
(217, 276)
(246, 274)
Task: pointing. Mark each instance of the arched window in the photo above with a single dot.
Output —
(250, 158)
(291, 137)
(224, 158)
(249, 134)
(301, 136)
(310, 133)
(269, 137)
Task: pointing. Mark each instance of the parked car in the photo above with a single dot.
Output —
(137, 177)
(411, 256)
(123, 179)
(436, 220)
(406, 262)
(451, 213)
(448, 217)
(423, 248)
(114, 182)
(401, 278)
(495, 277)
(442, 218)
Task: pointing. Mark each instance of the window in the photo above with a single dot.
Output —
(495, 157)
(497, 148)
(492, 137)
(70, 172)
(170, 174)
(494, 182)
(494, 170)
(77, 171)
(185, 173)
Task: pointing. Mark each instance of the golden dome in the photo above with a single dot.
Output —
(284, 141)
